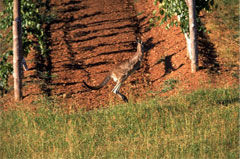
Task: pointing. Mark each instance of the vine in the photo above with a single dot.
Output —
(169, 8)
(33, 34)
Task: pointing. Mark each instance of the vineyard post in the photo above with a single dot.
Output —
(17, 50)
(193, 35)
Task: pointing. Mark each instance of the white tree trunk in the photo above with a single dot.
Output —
(193, 35)
(17, 50)
(191, 40)
(188, 42)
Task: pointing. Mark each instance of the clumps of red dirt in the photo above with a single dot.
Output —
(89, 37)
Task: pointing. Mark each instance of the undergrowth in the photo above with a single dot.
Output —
(34, 18)
(203, 124)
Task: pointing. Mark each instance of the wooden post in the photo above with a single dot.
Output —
(193, 35)
(17, 50)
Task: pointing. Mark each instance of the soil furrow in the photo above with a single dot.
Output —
(88, 38)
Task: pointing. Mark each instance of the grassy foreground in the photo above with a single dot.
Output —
(203, 124)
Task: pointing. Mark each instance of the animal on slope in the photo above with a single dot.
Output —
(122, 71)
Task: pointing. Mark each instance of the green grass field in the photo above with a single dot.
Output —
(203, 124)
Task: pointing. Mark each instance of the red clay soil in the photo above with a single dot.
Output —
(90, 36)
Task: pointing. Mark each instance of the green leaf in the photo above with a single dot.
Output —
(161, 11)
(140, 13)
(165, 18)
(154, 12)
(155, 2)
(167, 27)
(151, 20)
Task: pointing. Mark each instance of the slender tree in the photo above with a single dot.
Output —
(193, 35)
(17, 50)
(187, 12)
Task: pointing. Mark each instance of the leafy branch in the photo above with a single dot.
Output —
(167, 9)
(33, 34)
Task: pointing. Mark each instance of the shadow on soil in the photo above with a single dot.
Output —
(168, 64)
(148, 45)
(167, 60)
(208, 54)
(83, 32)
(43, 63)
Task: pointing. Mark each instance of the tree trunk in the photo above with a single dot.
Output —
(17, 50)
(193, 35)
(188, 42)
(187, 38)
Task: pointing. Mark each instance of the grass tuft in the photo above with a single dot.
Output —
(169, 85)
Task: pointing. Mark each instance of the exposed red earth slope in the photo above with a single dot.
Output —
(89, 37)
